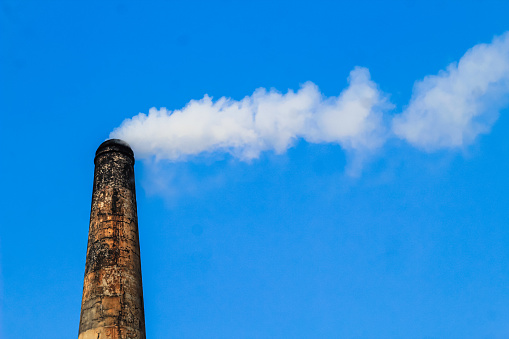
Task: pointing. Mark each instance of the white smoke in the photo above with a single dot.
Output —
(266, 120)
(451, 109)
(446, 110)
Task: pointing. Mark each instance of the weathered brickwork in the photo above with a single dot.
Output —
(112, 304)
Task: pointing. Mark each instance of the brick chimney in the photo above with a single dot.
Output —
(112, 304)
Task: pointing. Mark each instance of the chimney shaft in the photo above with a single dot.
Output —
(112, 304)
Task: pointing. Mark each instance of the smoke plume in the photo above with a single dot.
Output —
(448, 110)
(266, 120)
(452, 108)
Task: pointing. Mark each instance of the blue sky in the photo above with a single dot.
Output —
(413, 243)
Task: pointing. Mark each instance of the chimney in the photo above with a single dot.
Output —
(112, 304)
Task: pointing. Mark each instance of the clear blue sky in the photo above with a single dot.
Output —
(284, 246)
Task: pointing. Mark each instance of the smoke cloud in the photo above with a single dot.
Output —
(448, 110)
(451, 109)
(264, 121)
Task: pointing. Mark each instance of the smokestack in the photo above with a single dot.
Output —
(112, 304)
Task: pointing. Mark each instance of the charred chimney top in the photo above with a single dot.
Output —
(115, 145)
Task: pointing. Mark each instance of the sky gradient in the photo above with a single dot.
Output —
(292, 244)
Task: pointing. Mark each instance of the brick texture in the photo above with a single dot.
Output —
(112, 304)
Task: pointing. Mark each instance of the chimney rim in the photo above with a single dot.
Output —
(114, 145)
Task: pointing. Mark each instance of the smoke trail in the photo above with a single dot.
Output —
(451, 109)
(447, 110)
(266, 120)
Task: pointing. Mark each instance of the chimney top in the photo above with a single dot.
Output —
(115, 145)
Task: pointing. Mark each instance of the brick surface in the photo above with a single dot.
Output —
(112, 304)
